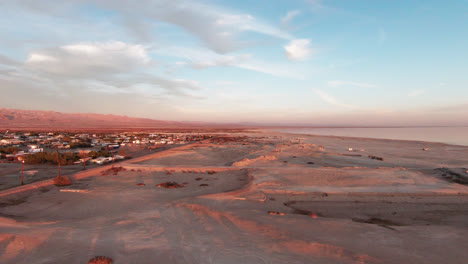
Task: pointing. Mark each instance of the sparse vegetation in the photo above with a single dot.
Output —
(100, 260)
(51, 158)
(80, 145)
(101, 153)
(8, 150)
(113, 170)
(170, 185)
(62, 181)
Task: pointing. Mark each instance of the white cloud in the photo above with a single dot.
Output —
(38, 58)
(289, 17)
(95, 68)
(416, 93)
(331, 100)
(337, 83)
(298, 49)
(88, 59)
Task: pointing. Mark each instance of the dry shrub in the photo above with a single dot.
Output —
(168, 173)
(275, 213)
(61, 181)
(117, 169)
(211, 172)
(140, 184)
(203, 185)
(113, 170)
(313, 215)
(170, 185)
(198, 179)
(100, 260)
(376, 158)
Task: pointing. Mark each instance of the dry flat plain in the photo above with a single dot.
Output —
(252, 198)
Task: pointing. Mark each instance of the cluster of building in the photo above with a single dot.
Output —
(13, 146)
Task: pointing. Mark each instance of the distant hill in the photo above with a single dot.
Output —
(32, 119)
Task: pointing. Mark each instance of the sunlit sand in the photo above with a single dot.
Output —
(253, 198)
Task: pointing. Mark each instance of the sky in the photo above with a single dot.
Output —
(288, 62)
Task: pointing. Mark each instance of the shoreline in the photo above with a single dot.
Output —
(363, 138)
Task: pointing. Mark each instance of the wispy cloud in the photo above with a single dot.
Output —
(338, 83)
(216, 26)
(199, 58)
(298, 49)
(416, 93)
(332, 100)
(225, 83)
(315, 5)
(285, 20)
(382, 36)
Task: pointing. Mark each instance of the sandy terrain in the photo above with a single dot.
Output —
(265, 198)
(10, 173)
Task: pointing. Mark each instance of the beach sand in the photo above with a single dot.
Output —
(262, 197)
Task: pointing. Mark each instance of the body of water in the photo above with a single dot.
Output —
(448, 135)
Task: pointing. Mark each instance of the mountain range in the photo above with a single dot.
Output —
(34, 119)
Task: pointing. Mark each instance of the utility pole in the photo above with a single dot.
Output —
(58, 163)
(21, 159)
(112, 153)
(22, 182)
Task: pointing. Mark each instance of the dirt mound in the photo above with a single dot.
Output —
(246, 162)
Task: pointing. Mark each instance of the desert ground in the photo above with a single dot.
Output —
(10, 172)
(257, 197)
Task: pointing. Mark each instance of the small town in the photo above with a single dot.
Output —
(83, 148)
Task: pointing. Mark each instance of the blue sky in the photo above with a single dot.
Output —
(305, 62)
